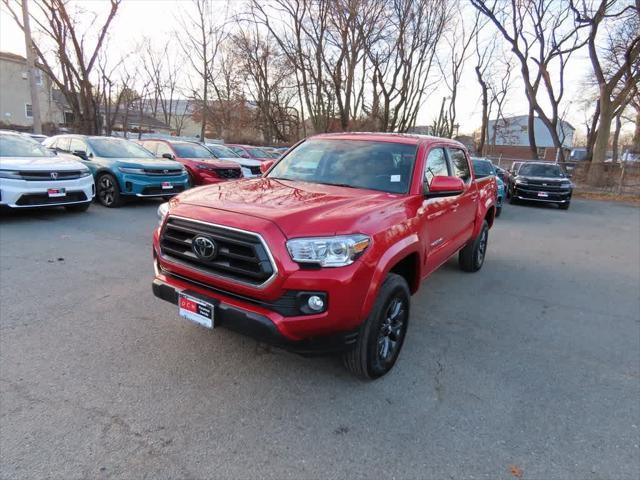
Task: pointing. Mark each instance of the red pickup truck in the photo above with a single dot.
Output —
(323, 252)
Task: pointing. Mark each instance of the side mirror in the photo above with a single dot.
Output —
(80, 153)
(169, 156)
(442, 186)
(266, 165)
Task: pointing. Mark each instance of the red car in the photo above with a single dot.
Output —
(249, 151)
(202, 166)
(323, 252)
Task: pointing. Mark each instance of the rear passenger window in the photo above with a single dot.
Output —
(436, 165)
(62, 144)
(459, 164)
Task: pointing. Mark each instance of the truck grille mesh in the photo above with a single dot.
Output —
(240, 256)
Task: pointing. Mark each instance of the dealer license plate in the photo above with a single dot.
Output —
(195, 310)
(543, 194)
(56, 192)
(166, 186)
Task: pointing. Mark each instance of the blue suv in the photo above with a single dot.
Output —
(122, 168)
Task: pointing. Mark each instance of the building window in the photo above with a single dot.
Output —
(28, 110)
(38, 77)
(69, 118)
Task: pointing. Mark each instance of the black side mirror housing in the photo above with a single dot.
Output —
(80, 153)
(169, 156)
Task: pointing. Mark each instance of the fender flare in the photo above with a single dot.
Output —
(398, 251)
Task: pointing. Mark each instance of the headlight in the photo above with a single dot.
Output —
(566, 185)
(205, 167)
(328, 251)
(521, 181)
(10, 174)
(85, 173)
(138, 171)
(163, 209)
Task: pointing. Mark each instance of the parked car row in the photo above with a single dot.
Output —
(117, 168)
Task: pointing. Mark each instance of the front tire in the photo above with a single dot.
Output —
(382, 334)
(471, 257)
(108, 191)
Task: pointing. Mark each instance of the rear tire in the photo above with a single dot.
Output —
(108, 191)
(82, 207)
(471, 257)
(382, 334)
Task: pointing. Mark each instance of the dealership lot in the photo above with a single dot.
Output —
(530, 367)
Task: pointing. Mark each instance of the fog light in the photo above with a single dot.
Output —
(315, 303)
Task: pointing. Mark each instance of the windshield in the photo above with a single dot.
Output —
(540, 170)
(381, 166)
(107, 147)
(191, 150)
(220, 151)
(17, 146)
(483, 168)
(258, 153)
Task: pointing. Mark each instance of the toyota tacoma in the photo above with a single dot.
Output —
(323, 252)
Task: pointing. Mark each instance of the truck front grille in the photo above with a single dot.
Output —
(240, 256)
(170, 172)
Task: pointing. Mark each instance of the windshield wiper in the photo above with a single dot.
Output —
(338, 184)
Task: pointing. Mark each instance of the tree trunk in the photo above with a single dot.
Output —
(532, 134)
(616, 137)
(601, 144)
(636, 136)
(485, 111)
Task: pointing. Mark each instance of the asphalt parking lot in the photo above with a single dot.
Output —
(528, 369)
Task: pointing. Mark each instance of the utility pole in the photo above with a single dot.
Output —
(31, 67)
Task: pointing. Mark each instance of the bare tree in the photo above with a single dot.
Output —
(542, 35)
(203, 31)
(74, 54)
(402, 60)
(615, 68)
(459, 41)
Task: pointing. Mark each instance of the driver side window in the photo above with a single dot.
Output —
(436, 165)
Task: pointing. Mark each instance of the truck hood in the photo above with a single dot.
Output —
(299, 208)
(57, 162)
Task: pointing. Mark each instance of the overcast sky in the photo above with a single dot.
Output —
(157, 19)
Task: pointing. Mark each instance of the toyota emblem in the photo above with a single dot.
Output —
(54, 175)
(204, 247)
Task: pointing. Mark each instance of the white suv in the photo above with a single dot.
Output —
(33, 176)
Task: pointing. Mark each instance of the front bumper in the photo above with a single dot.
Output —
(533, 194)
(256, 324)
(31, 194)
(152, 185)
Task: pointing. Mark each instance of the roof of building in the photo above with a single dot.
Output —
(12, 57)
(518, 118)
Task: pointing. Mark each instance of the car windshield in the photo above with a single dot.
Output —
(383, 166)
(17, 146)
(540, 170)
(220, 151)
(117, 148)
(258, 153)
(483, 168)
(191, 150)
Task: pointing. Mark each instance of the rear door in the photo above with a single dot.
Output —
(462, 212)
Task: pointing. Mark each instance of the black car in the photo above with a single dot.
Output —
(541, 182)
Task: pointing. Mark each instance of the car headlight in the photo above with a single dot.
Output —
(85, 173)
(335, 251)
(566, 185)
(521, 181)
(139, 171)
(163, 210)
(10, 174)
(205, 167)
